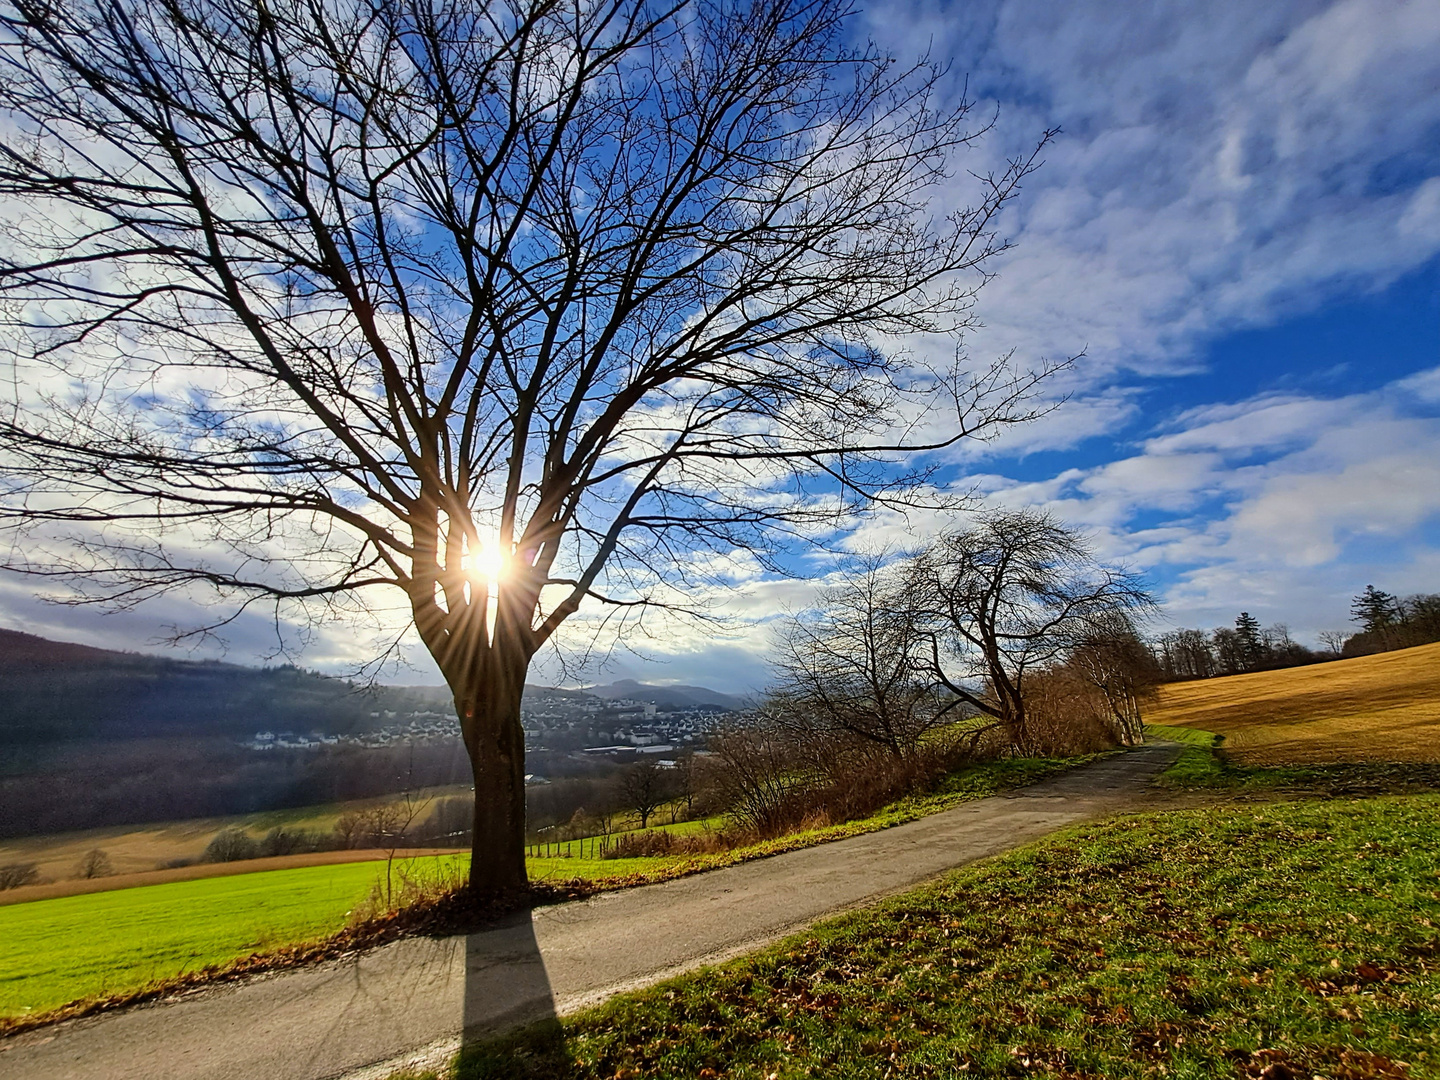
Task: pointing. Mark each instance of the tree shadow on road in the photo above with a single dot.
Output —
(510, 1027)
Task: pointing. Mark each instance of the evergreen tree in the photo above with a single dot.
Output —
(1247, 634)
(1374, 609)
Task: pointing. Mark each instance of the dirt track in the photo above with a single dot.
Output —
(414, 1001)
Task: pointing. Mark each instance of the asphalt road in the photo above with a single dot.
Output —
(413, 1002)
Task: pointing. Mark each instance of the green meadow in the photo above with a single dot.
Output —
(1284, 941)
(108, 942)
(100, 944)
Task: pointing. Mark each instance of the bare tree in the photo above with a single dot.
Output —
(1187, 654)
(1018, 592)
(1334, 641)
(856, 664)
(504, 308)
(16, 875)
(94, 864)
(686, 776)
(350, 829)
(761, 773)
(646, 787)
(1111, 657)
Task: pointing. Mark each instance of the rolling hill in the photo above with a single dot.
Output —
(1384, 707)
(666, 697)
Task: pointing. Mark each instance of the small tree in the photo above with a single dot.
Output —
(95, 864)
(761, 773)
(1229, 651)
(1334, 641)
(230, 845)
(646, 787)
(1421, 615)
(1375, 610)
(856, 665)
(1013, 594)
(1250, 647)
(15, 875)
(687, 782)
(1111, 656)
(350, 828)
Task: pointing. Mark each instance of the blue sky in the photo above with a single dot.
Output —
(1240, 227)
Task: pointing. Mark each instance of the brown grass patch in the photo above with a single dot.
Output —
(1384, 707)
(135, 849)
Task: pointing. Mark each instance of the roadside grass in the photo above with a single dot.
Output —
(1383, 708)
(1199, 763)
(77, 949)
(1273, 941)
(1204, 765)
(100, 944)
(580, 847)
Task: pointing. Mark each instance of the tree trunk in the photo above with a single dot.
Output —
(490, 719)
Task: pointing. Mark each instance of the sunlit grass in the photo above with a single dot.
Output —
(1372, 708)
(1285, 940)
(102, 943)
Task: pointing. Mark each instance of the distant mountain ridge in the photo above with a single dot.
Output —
(58, 691)
(665, 696)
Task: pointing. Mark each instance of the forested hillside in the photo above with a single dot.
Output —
(53, 691)
(91, 737)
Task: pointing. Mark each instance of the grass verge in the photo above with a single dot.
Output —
(76, 955)
(1203, 765)
(1199, 763)
(1279, 941)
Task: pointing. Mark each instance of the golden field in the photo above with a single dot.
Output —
(1371, 708)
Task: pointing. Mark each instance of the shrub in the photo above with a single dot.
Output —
(652, 842)
(772, 783)
(1066, 714)
(17, 874)
(231, 845)
(764, 776)
(283, 841)
(96, 863)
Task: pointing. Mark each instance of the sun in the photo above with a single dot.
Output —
(485, 566)
(490, 563)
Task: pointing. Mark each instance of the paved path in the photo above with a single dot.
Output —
(411, 1001)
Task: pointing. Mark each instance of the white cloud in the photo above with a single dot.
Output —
(1221, 164)
(1285, 506)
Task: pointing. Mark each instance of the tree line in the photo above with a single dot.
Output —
(1386, 622)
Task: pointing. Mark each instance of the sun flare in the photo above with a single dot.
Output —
(486, 566)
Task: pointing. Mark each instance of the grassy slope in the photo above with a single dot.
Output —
(1372, 708)
(91, 946)
(84, 946)
(1298, 938)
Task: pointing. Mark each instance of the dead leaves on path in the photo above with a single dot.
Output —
(1328, 1065)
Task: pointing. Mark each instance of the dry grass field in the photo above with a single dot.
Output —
(146, 849)
(1372, 708)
